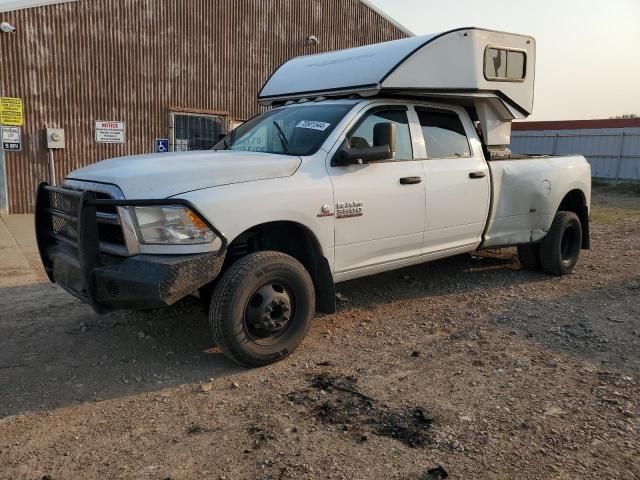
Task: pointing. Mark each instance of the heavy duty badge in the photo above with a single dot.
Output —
(349, 209)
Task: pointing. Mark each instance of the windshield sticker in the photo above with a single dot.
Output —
(322, 126)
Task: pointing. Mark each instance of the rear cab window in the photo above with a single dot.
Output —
(443, 132)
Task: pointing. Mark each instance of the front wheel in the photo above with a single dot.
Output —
(262, 308)
(560, 249)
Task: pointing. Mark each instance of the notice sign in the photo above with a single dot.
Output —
(110, 132)
(11, 139)
(11, 111)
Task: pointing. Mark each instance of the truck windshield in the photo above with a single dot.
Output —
(294, 130)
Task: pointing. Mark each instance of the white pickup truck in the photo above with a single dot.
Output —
(369, 159)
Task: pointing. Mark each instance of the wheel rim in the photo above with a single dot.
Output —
(269, 312)
(569, 244)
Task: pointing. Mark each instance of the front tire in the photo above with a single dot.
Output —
(261, 308)
(560, 249)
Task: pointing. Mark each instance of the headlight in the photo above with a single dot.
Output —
(170, 225)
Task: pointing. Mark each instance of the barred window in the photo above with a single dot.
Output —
(194, 131)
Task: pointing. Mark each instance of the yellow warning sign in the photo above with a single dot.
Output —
(11, 111)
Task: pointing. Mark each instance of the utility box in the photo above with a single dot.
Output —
(55, 138)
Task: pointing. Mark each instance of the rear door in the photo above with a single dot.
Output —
(457, 180)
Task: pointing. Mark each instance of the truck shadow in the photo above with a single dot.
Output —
(460, 274)
(56, 351)
(599, 324)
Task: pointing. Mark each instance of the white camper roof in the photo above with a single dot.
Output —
(465, 64)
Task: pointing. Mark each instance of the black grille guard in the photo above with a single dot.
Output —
(67, 219)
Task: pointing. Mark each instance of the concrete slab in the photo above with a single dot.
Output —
(19, 258)
(22, 229)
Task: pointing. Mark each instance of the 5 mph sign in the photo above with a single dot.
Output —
(11, 140)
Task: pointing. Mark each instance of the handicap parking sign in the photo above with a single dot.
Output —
(162, 145)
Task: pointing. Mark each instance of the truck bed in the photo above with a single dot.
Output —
(518, 156)
(525, 195)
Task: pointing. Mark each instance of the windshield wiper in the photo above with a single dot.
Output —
(282, 137)
(227, 141)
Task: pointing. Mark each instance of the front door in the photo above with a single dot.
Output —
(457, 181)
(380, 206)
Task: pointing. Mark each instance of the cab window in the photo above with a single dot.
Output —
(444, 134)
(362, 136)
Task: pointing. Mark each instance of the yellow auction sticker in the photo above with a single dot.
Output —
(11, 111)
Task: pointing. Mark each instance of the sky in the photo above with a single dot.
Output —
(588, 51)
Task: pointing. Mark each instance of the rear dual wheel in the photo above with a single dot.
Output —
(261, 308)
(529, 256)
(559, 251)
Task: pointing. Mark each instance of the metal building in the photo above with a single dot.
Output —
(611, 146)
(115, 75)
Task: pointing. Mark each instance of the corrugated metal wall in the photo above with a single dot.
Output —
(614, 153)
(136, 60)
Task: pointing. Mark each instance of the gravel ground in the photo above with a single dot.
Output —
(468, 366)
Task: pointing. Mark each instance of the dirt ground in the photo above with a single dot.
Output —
(468, 368)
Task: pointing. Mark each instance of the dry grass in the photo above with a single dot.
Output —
(629, 188)
(608, 208)
(609, 216)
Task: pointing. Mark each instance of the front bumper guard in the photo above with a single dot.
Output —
(72, 258)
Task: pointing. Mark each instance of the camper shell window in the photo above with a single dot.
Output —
(504, 64)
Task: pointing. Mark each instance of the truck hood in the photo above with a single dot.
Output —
(166, 174)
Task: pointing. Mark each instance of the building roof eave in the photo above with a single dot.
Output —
(388, 17)
(12, 5)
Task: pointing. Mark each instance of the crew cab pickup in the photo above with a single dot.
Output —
(368, 159)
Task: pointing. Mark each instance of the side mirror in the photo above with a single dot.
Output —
(384, 134)
(358, 156)
(384, 147)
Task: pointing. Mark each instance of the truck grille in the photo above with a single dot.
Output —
(64, 210)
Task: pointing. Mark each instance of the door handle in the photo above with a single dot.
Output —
(410, 180)
(477, 175)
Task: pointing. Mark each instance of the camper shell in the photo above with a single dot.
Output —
(492, 72)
